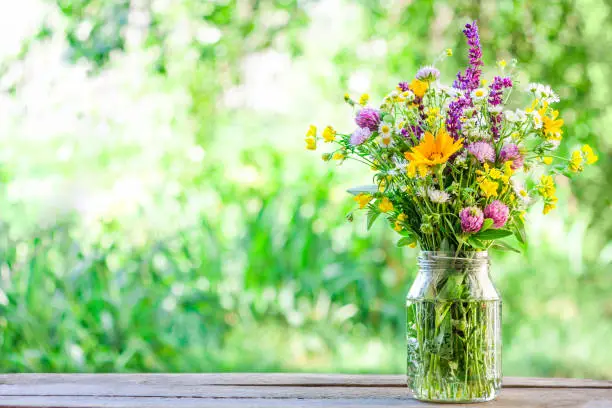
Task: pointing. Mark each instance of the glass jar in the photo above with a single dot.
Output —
(453, 329)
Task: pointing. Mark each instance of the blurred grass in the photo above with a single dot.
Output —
(159, 213)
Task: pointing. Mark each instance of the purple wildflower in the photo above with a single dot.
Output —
(360, 135)
(455, 110)
(495, 99)
(483, 151)
(511, 152)
(368, 118)
(471, 219)
(404, 86)
(427, 74)
(498, 212)
(471, 79)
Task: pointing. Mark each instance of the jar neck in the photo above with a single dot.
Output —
(443, 262)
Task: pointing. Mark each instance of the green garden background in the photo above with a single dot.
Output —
(158, 210)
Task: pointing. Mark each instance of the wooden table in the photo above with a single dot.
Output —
(272, 390)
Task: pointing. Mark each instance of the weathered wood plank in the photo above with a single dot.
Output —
(273, 379)
(510, 398)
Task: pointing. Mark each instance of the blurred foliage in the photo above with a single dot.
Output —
(159, 213)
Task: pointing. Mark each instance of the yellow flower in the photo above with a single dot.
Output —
(312, 131)
(401, 217)
(551, 125)
(419, 87)
(549, 204)
(432, 151)
(326, 156)
(385, 205)
(338, 156)
(329, 134)
(364, 99)
(547, 186)
(575, 163)
(484, 82)
(382, 185)
(413, 245)
(362, 199)
(449, 52)
(311, 143)
(589, 156)
(502, 64)
(547, 160)
(489, 188)
(495, 174)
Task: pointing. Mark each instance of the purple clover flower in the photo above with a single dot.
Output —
(483, 151)
(428, 74)
(471, 219)
(471, 79)
(360, 135)
(368, 118)
(498, 212)
(511, 152)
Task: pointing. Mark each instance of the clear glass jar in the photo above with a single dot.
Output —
(453, 329)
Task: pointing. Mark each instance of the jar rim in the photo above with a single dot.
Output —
(467, 255)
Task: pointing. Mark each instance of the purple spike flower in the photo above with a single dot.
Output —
(404, 86)
(455, 110)
(471, 79)
(471, 219)
(498, 212)
(495, 99)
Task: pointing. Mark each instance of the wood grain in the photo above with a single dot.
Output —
(271, 390)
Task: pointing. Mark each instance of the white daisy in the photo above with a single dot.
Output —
(480, 94)
(438, 196)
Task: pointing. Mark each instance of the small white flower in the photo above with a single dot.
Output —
(521, 192)
(438, 196)
(543, 92)
(420, 191)
(385, 130)
(495, 109)
(537, 119)
(480, 94)
(511, 116)
(461, 158)
(552, 144)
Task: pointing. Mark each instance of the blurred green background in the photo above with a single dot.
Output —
(159, 211)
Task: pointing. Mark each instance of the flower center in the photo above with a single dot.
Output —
(435, 156)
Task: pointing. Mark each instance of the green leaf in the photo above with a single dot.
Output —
(406, 241)
(475, 242)
(373, 214)
(368, 189)
(488, 222)
(505, 246)
(520, 231)
(492, 234)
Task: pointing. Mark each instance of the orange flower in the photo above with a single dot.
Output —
(432, 151)
(419, 87)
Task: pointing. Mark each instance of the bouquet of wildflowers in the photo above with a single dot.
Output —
(453, 169)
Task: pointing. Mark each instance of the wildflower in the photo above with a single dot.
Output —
(498, 212)
(403, 86)
(546, 187)
(471, 219)
(363, 100)
(360, 135)
(515, 116)
(385, 205)
(398, 223)
(449, 52)
(312, 131)
(488, 187)
(483, 151)
(502, 63)
(437, 196)
(385, 130)
(537, 119)
(362, 199)
(552, 125)
(419, 87)
(311, 138)
(471, 79)
(549, 204)
(589, 156)
(511, 152)
(543, 92)
(575, 163)
(497, 87)
(479, 95)
(455, 111)
(427, 74)
(368, 118)
(432, 151)
(547, 160)
(329, 134)
(520, 192)
(338, 156)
